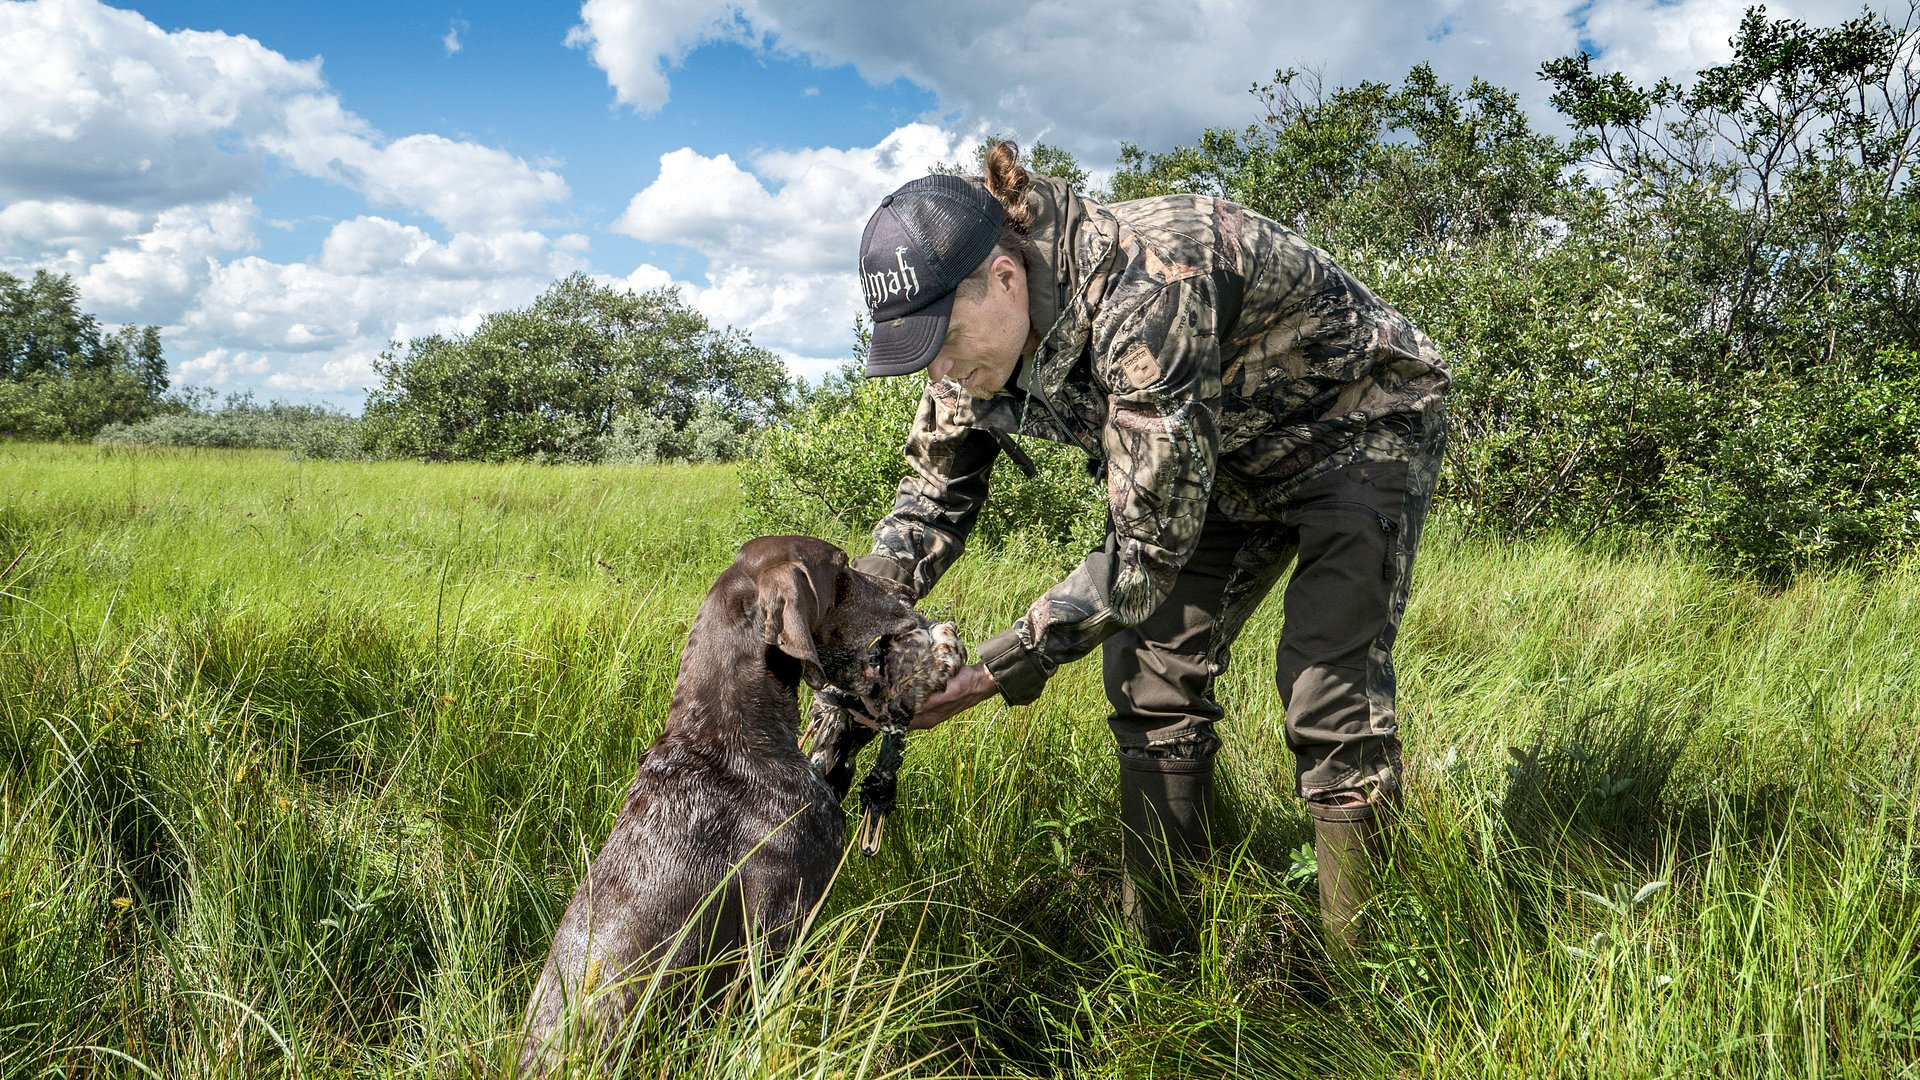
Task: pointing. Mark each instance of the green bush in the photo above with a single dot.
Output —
(833, 467)
(707, 437)
(1816, 470)
(587, 373)
(242, 423)
(53, 406)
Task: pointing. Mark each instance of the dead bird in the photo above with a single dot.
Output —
(916, 667)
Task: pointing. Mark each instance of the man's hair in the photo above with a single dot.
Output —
(1008, 181)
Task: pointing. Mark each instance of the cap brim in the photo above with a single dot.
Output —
(905, 345)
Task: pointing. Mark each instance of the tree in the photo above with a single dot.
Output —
(61, 376)
(1372, 172)
(586, 372)
(1783, 179)
(1772, 208)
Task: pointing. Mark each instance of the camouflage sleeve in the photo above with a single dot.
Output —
(1161, 440)
(937, 501)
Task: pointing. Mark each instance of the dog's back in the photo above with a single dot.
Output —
(702, 855)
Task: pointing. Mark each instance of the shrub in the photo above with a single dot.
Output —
(1816, 470)
(312, 430)
(708, 436)
(70, 406)
(832, 469)
(586, 373)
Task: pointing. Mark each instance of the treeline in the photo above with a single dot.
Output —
(1697, 318)
(586, 373)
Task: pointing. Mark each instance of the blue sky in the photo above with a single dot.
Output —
(287, 188)
(513, 84)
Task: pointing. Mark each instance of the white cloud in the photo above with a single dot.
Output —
(781, 239)
(235, 320)
(65, 223)
(128, 158)
(451, 39)
(152, 276)
(645, 278)
(1088, 74)
(223, 367)
(641, 41)
(463, 184)
(375, 281)
(1647, 39)
(101, 106)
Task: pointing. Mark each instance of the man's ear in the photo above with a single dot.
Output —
(791, 601)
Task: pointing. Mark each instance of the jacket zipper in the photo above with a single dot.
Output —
(1096, 462)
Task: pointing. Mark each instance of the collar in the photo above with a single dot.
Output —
(1075, 239)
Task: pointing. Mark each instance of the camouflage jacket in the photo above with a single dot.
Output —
(1199, 353)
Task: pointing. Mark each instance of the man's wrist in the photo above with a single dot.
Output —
(982, 685)
(1016, 671)
(883, 566)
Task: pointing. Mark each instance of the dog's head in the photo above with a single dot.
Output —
(820, 618)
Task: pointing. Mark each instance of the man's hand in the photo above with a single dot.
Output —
(969, 686)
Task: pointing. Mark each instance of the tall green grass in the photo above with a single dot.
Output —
(303, 760)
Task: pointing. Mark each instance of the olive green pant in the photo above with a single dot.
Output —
(1350, 535)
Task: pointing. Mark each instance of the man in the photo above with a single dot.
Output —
(1249, 405)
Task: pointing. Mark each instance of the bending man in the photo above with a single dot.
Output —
(1250, 406)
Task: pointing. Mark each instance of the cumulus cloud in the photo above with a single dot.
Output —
(100, 106)
(65, 223)
(1088, 74)
(462, 184)
(1648, 39)
(375, 281)
(152, 276)
(643, 40)
(782, 236)
(129, 156)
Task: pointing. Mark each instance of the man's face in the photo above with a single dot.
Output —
(986, 332)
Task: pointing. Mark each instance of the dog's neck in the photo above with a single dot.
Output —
(728, 690)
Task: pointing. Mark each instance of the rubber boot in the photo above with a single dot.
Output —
(1166, 814)
(1345, 840)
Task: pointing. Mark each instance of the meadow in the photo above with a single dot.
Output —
(302, 761)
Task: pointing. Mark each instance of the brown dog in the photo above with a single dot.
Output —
(728, 833)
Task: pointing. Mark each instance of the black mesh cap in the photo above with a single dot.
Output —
(919, 246)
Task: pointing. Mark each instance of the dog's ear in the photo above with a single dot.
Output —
(793, 595)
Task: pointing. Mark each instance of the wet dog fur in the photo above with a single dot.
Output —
(727, 832)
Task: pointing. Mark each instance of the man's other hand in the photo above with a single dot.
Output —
(969, 686)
